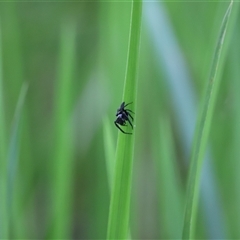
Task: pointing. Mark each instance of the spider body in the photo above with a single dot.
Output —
(123, 116)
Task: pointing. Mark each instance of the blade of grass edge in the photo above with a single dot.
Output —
(15, 220)
(202, 132)
(3, 156)
(109, 154)
(235, 59)
(109, 151)
(62, 169)
(171, 203)
(118, 222)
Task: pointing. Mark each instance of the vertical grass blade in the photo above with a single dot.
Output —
(118, 223)
(3, 158)
(171, 204)
(202, 132)
(177, 77)
(12, 166)
(109, 151)
(235, 60)
(62, 152)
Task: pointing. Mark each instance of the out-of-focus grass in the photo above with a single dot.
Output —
(234, 192)
(13, 194)
(202, 133)
(62, 158)
(170, 193)
(61, 181)
(3, 156)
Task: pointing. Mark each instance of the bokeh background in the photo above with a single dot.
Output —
(62, 69)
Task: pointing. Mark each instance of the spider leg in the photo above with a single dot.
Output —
(130, 116)
(127, 104)
(130, 122)
(121, 129)
(126, 118)
(126, 114)
(128, 110)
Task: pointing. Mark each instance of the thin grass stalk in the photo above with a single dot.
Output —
(62, 175)
(109, 151)
(13, 198)
(234, 190)
(3, 158)
(202, 133)
(118, 224)
(171, 204)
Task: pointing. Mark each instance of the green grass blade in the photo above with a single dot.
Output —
(202, 132)
(171, 204)
(3, 157)
(109, 151)
(118, 223)
(12, 167)
(235, 59)
(63, 144)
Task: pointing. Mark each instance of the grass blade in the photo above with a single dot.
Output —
(12, 167)
(120, 199)
(109, 151)
(202, 132)
(171, 204)
(62, 155)
(3, 157)
(235, 59)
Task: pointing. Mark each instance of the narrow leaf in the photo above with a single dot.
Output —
(120, 200)
(62, 174)
(3, 157)
(202, 132)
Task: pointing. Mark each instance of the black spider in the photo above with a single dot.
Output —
(123, 116)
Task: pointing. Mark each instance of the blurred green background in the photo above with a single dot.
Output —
(62, 68)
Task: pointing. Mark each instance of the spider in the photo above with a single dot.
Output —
(123, 116)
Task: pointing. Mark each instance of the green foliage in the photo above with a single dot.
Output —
(202, 132)
(62, 154)
(3, 157)
(118, 224)
(109, 151)
(67, 172)
(170, 193)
